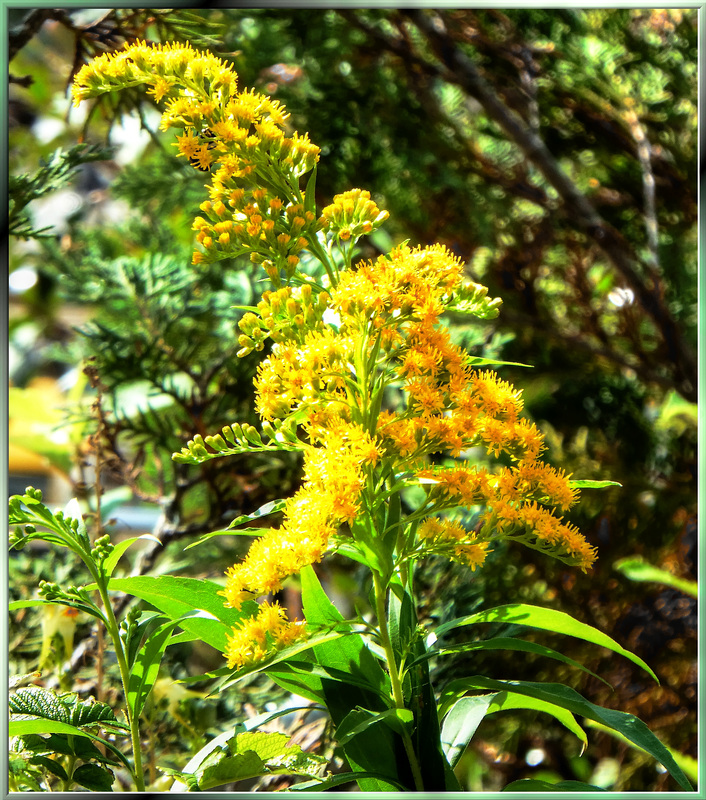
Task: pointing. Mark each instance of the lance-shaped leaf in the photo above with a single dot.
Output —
(461, 723)
(145, 669)
(632, 728)
(504, 643)
(544, 618)
(177, 597)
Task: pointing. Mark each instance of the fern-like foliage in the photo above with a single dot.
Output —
(54, 173)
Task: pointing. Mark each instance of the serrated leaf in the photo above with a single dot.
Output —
(36, 701)
(251, 754)
(91, 712)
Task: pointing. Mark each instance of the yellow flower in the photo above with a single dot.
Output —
(261, 636)
(451, 539)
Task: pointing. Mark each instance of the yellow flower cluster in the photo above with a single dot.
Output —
(263, 227)
(352, 214)
(262, 635)
(334, 476)
(445, 537)
(387, 321)
(238, 136)
(339, 355)
(167, 69)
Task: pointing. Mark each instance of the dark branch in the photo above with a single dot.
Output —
(462, 71)
(30, 25)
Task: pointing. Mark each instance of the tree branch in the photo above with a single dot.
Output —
(30, 25)
(459, 69)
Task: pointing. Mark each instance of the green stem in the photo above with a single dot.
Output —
(397, 695)
(133, 720)
(70, 764)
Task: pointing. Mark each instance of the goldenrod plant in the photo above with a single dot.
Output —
(360, 375)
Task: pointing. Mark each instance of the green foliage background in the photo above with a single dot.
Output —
(613, 382)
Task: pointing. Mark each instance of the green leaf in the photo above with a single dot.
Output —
(269, 508)
(177, 597)
(85, 607)
(375, 750)
(632, 728)
(39, 702)
(251, 754)
(348, 654)
(310, 192)
(506, 643)
(510, 701)
(461, 723)
(36, 701)
(144, 670)
(437, 773)
(50, 764)
(687, 763)
(264, 511)
(535, 785)
(94, 778)
(402, 621)
(112, 561)
(635, 569)
(279, 657)
(348, 777)
(24, 727)
(72, 745)
(593, 484)
(329, 673)
(477, 361)
(361, 720)
(545, 619)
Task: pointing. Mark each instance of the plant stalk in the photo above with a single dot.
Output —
(397, 695)
(133, 720)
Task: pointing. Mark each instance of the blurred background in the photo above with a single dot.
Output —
(555, 151)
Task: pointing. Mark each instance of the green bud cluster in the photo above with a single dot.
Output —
(50, 591)
(102, 548)
(286, 314)
(127, 625)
